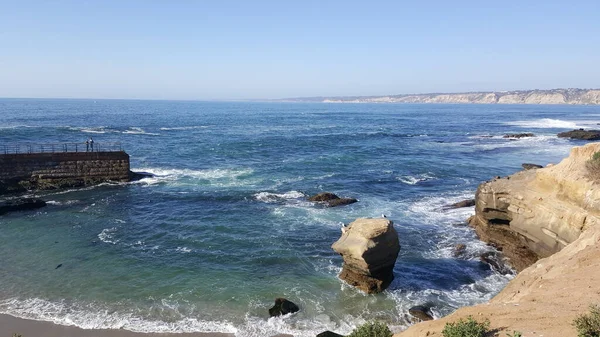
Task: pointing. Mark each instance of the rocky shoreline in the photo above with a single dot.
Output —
(545, 222)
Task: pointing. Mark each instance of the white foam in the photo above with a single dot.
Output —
(183, 250)
(220, 177)
(549, 123)
(540, 142)
(415, 179)
(133, 130)
(269, 197)
(94, 316)
(181, 128)
(107, 235)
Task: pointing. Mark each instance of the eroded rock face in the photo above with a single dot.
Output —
(536, 213)
(369, 248)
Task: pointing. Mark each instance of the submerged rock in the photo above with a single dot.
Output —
(581, 134)
(369, 248)
(283, 307)
(529, 166)
(518, 135)
(135, 176)
(329, 334)
(461, 204)
(420, 312)
(496, 262)
(23, 204)
(459, 249)
(331, 200)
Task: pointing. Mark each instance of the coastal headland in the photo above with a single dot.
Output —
(551, 96)
(549, 213)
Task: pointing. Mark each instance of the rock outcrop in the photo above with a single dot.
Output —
(536, 213)
(23, 204)
(369, 248)
(528, 166)
(461, 204)
(283, 307)
(552, 213)
(331, 200)
(518, 135)
(581, 134)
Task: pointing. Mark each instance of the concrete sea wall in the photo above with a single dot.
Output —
(56, 170)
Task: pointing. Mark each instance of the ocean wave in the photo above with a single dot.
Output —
(269, 197)
(96, 316)
(220, 177)
(415, 179)
(539, 142)
(182, 128)
(139, 131)
(549, 123)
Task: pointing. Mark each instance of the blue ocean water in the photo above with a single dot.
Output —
(224, 227)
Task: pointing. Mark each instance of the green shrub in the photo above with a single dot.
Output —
(515, 334)
(593, 166)
(374, 329)
(588, 325)
(468, 328)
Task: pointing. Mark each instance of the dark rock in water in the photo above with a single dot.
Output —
(420, 312)
(331, 200)
(329, 334)
(283, 307)
(529, 166)
(461, 204)
(581, 134)
(459, 249)
(135, 176)
(23, 204)
(518, 135)
(60, 265)
(496, 262)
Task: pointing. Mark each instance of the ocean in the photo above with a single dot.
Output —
(224, 227)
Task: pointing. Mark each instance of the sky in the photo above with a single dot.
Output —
(205, 50)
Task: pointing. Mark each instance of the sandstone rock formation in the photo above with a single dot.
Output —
(331, 200)
(369, 248)
(283, 307)
(536, 213)
(542, 300)
(581, 134)
(552, 211)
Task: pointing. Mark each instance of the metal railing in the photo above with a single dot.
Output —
(60, 147)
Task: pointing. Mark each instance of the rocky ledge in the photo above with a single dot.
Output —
(535, 213)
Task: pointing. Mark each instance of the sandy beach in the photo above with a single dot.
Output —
(29, 328)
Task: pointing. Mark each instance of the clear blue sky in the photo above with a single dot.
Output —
(272, 49)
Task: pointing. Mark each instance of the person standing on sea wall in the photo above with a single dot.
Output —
(87, 145)
(91, 144)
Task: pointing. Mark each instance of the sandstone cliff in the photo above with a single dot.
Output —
(535, 213)
(553, 96)
(550, 213)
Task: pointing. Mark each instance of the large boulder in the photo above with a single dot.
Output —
(283, 307)
(461, 204)
(420, 312)
(369, 248)
(581, 134)
(331, 200)
(23, 204)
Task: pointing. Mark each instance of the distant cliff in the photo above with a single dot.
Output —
(553, 96)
